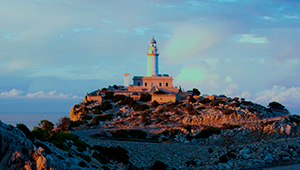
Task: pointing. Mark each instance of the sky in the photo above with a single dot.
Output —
(54, 52)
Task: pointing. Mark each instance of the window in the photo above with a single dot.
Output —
(145, 84)
(167, 84)
(159, 84)
(139, 83)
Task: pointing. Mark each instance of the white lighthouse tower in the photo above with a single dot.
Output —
(152, 64)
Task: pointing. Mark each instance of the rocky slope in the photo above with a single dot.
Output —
(220, 134)
(19, 152)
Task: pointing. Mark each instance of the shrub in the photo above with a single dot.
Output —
(192, 99)
(230, 126)
(207, 132)
(101, 118)
(77, 123)
(135, 134)
(268, 123)
(46, 125)
(26, 131)
(247, 103)
(295, 118)
(109, 95)
(190, 163)
(196, 92)
(102, 159)
(82, 164)
(193, 112)
(158, 165)
(205, 100)
(228, 112)
(87, 117)
(189, 108)
(174, 132)
(276, 106)
(217, 103)
(178, 113)
(103, 106)
(85, 157)
(154, 104)
(145, 97)
(118, 97)
(63, 124)
(118, 153)
(166, 132)
(189, 137)
(188, 128)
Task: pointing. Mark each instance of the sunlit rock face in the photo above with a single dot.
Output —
(18, 152)
(76, 113)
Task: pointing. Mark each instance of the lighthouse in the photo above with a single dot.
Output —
(152, 62)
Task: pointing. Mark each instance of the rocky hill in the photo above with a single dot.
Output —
(240, 134)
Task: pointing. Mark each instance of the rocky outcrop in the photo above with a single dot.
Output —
(18, 152)
(77, 113)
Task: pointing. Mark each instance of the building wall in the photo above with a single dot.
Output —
(148, 82)
(163, 98)
(95, 98)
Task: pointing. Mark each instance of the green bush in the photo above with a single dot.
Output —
(133, 134)
(77, 123)
(46, 125)
(189, 108)
(190, 163)
(109, 95)
(87, 117)
(145, 97)
(192, 99)
(217, 103)
(102, 107)
(268, 123)
(188, 128)
(118, 97)
(295, 118)
(205, 100)
(247, 103)
(193, 112)
(207, 132)
(82, 164)
(158, 165)
(154, 104)
(230, 126)
(166, 132)
(174, 132)
(26, 131)
(118, 153)
(101, 118)
(85, 157)
(228, 112)
(196, 92)
(101, 158)
(59, 139)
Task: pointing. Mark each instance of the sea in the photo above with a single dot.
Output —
(31, 119)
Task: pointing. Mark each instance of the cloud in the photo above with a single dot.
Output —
(14, 93)
(250, 38)
(279, 94)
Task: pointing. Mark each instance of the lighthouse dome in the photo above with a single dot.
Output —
(152, 41)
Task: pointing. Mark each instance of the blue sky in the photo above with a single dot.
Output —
(56, 51)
